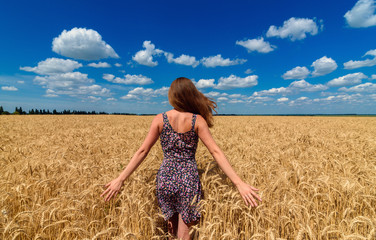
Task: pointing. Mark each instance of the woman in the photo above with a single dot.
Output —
(178, 184)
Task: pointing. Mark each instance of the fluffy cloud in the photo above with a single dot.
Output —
(362, 15)
(9, 88)
(183, 59)
(365, 63)
(248, 71)
(294, 29)
(296, 73)
(145, 57)
(365, 87)
(323, 66)
(205, 83)
(301, 99)
(128, 79)
(118, 65)
(294, 88)
(82, 43)
(283, 99)
(79, 91)
(258, 45)
(233, 81)
(272, 91)
(53, 66)
(99, 65)
(215, 94)
(304, 86)
(146, 93)
(73, 84)
(50, 93)
(217, 60)
(68, 80)
(92, 90)
(349, 79)
(373, 76)
(93, 99)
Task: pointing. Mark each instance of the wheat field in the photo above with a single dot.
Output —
(316, 175)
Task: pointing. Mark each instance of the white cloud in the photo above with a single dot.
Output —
(294, 88)
(73, 84)
(323, 66)
(53, 66)
(111, 99)
(21, 82)
(343, 98)
(349, 79)
(183, 59)
(217, 60)
(294, 29)
(99, 65)
(146, 93)
(283, 99)
(205, 83)
(93, 99)
(248, 71)
(301, 99)
(222, 99)
(68, 80)
(362, 15)
(373, 76)
(257, 44)
(118, 65)
(365, 63)
(296, 73)
(9, 88)
(78, 91)
(255, 98)
(365, 87)
(304, 86)
(272, 91)
(50, 93)
(233, 81)
(93, 90)
(145, 57)
(215, 94)
(82, 43)
(128, 79)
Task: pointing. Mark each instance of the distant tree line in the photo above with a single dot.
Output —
(20, 111)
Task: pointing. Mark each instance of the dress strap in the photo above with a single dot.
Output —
(164, 117)
(194, 120)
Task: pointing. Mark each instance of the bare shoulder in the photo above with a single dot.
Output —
(200, 123)
(158, 122)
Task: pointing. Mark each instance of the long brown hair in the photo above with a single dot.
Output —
(184, 96)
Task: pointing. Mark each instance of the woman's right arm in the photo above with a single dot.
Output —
(247, 192)
(113, 187)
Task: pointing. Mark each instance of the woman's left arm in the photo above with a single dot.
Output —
(113, 187)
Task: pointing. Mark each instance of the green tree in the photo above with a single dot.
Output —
(1, 110)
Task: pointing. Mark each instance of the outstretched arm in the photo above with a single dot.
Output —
(113, 187)
(247, 192)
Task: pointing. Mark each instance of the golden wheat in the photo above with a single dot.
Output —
(317, 177)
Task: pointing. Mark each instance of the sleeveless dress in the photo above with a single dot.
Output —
(178, 185)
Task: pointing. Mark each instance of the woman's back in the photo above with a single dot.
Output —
(178, 137)
(181, 122)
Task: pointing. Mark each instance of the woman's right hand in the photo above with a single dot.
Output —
(248, 194)
(113, 188)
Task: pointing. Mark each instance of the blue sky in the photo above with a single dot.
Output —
(252, 57)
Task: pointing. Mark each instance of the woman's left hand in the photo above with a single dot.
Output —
(248, 194)
(113, 188)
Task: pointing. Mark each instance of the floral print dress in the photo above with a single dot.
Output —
(178, 183)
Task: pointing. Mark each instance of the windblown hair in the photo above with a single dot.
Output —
(184, 96)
